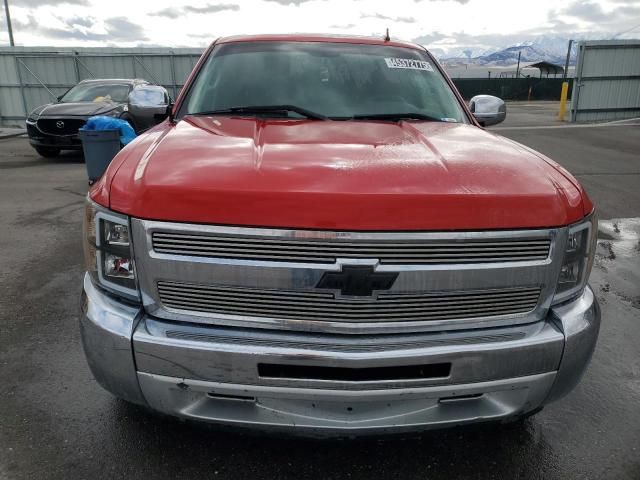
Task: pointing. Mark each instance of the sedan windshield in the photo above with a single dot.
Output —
(97, 92)
(322, 80)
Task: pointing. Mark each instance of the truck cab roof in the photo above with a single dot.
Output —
(320, 38)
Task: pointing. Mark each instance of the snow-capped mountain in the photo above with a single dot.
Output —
(556, 46)
(528, 53)
(550, 49)
(464, 52)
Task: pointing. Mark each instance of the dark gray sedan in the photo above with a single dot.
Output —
(54, 127)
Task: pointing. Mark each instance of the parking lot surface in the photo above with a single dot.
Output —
(56, 422)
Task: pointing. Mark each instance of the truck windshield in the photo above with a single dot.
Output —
(97, 92)
(333, 80)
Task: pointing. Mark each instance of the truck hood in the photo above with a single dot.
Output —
(341, 175)
(75, 109)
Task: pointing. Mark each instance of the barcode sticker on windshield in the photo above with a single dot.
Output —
(409, 64)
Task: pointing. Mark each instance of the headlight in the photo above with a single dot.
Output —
(108, 251)
(578, 259)
(32, 119)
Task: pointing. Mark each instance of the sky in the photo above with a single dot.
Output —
(447, 27)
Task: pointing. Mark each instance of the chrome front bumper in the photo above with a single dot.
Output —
(211, 373)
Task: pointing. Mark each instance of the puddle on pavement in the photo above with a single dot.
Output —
(617, 261)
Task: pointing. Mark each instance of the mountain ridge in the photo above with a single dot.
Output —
(549, 49)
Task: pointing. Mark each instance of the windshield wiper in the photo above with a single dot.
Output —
(396, 116)
(266, 109)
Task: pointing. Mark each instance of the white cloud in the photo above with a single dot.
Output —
(444, 24)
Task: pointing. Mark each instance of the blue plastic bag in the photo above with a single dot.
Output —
(100, 122)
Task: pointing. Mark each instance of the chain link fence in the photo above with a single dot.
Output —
(30, 77)
(512, 88)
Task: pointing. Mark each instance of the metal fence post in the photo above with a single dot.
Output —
(172, 58)
(76, 66)
(83, 65)
(577, 83)
(144, 67)
(37, 78)
(20, 82)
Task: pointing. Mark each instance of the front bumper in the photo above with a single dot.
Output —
(37, 138)
(211, 373)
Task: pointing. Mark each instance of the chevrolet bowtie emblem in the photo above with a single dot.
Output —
(357, 280)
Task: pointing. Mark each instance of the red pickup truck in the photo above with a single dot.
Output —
(322, 237)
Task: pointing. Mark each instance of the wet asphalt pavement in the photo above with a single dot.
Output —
(56, 422)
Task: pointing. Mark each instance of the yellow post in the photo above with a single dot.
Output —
(563, 100)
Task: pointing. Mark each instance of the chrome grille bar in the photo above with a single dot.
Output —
(342, 344)
(322, 251)
(316, 306)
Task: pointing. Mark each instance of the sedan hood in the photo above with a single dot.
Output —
(341, 175)
(76, 109)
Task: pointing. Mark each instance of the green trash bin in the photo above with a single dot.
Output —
(99, 146)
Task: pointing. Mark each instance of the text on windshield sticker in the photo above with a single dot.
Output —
(408, 63)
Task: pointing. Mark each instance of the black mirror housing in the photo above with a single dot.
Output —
(160, 117)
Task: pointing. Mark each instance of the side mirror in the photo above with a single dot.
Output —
(149, 105)
(488, 110)
(149, 96)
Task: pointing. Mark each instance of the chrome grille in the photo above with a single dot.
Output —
(323, 306)
(322, 251)
(267, 278)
